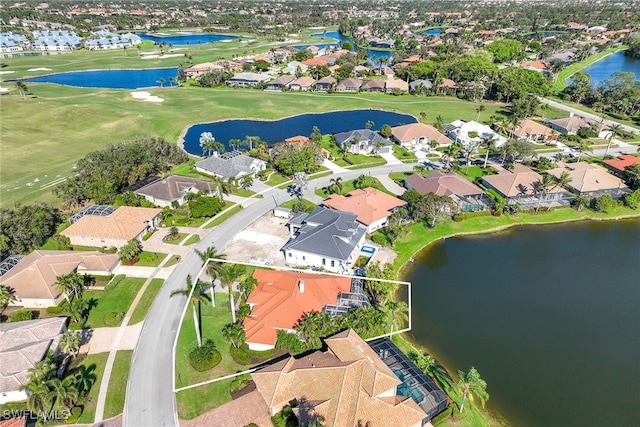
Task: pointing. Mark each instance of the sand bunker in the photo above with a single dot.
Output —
(7, 72)
(175, 55)
(39, 69)
(4, 90)
(146, 96)
(151, 57)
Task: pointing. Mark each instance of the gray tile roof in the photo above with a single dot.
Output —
(327, 232)
(367, 136)
(174, 187)
(22, 344)
(232, 164)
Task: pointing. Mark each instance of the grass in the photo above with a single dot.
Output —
(116, 394)
(276, 179)
(179, 238)
(145, 302)
(94, 364)
(93, 118)
(220, 218)
(150, 259)
(196, 401)
(192, 240)
(403, 155)
(347, 187)
(116, 300)
(561, 79)
(172, 261)
(241, 192)
(418, 236)
(309, 205)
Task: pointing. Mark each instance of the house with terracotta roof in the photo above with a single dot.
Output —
(590, 180)
(467, 196)
(396, 85)
(281, 298)
(173, 188)
(302, 84)
(532, 131)
(537, 65)
(618, 165)
(372, 206)
(22, 345)
(522, 186)
(345, 385)
(325, 238)
(111, 229)
(314, 62)
(418, 135)
(569, 125)
(33, 277)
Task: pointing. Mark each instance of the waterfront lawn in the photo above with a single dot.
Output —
(118, 117)
(92, 367)
(561, 78)
(419, 236)
(146, 300)
(116, 394)
(116, 300)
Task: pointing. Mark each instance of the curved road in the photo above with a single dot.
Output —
(150, 400)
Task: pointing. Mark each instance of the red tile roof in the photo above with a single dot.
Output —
(369, 204)
(622, 162)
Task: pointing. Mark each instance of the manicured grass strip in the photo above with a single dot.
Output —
(198, 400)
(224, 216)
(116, 300)
(418, 236)
(145, 302)
(179, 238)
(94, 365)
(116, 394)
(192, 240)
(308, 204)
(150, 259)
(172, 261)
(276, 179)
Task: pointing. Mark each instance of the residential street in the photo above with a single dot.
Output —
(150, 398)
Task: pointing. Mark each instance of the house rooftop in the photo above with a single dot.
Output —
(174, 187)
(587, 177)
(443, 184)
(419, 130)
(369, 204)
(522, 181)
(622, 162)
(125, 223)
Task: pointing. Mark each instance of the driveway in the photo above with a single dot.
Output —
(390, 158)
(260, 242)
(389, 184)
(99, 340)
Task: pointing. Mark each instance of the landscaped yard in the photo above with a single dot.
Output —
(198, 400)
(150, 259)
(146, 300)
(116, 394)
(222, 217)
(117, 300)
(309, 205)
(348, 186)
(92, 367)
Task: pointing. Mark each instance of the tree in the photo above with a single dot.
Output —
(7, 295)
(489, 144)
(204, 206)
(479, 110)
(313, 326)
(583, 147)
(632, 199)
(316, 135)
(22, 88)
(234, 334)
(130, 251)
(386, 131)
(207, 143)
(247, 286)
(70, 342)
(369, 124)
(399, 312)
(614, 130)
(436, 208)
(543, 186)
(38, 401)
(470, 384)
(63, 394)
(78, 310)
(425, 363)
(631, 176)
(196, 299)
(605, 203)
(161, 81)
(291, 158)
(563, 180)
(579, 202)
(211, 253)
(71, 284)
(246, 181)
(423, 116)
(335, 185)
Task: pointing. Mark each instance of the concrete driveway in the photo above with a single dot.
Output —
(99, 340)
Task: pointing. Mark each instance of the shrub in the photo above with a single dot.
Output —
(56, 309)
(240, 356)
(605, 203)
(632, 200)
(379, 239)
(239, 382)
(205, 357)
(442, 416)
(114, 318)
(74, 415)
(19, 316)
(458, 217)
(147, 235)
(76, 326)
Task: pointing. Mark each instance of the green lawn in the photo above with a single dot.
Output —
(92, 366)
(145, 302)
(198, 400)
(172, 261)
(150, 259)
(347, 187)
(402, 154)
(220, 218)
(92, 118)
(561, 79)
(276, 179)
(179, 238)
(308, 204)
(116, 394)
(117, 300)
(192, 240)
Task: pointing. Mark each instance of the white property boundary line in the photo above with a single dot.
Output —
(226, 377)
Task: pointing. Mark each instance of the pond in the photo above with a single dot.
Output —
(279, 130)
(111, 79)
(544, 35)
(549, 315)
(185, 39)
(374, 55)
(434, 32)
(604, 68)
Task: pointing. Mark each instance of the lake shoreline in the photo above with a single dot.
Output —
(407, 337)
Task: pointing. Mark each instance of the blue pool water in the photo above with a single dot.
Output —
(185, 39)
(110, 79)
(368, 250)
(435, 32)
(279, 130)
(604, 68)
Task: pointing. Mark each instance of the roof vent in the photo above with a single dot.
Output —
(301, 286)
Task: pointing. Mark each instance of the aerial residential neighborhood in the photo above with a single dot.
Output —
(242, 213)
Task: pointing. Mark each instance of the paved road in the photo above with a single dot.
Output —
(591, 116)
(150, 398)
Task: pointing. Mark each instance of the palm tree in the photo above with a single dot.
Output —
(207, 142)
(583, 147)
(399, 311)
(197, 298)
(63, 394)
(563, 180)
(470, 383)
(7, 295)
(369, 124)
(489, 144)
(579, 202)
(70, 342)
(38, 401)
(335, 185)
(614, 130)
(234, 334)
(70, 284)
(161, 81)
(423, 116)
(211, 253)
(479, 110)
(427, 364)
(543, 187)
(419, 168)
(246, 181)
(22, 88)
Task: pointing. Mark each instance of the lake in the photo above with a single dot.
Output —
(549, 315)
(435, 32)
(110, 79)
(604, 68)
(374, 55)
(279, 130)
(184, 39)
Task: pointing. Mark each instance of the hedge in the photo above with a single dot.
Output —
(240, 356)
(19, 316)
(205, 357)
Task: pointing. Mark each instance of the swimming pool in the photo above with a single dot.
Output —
(368, 250)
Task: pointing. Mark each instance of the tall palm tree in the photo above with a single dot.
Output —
(71, 284)
(563, 180)
(583, 147)
(197, 299)
(335, 185)
(211, 253)
(207, 142)
(398, 310)
(70, 342)
(470, 383)
(614, 130)
(479, 110)
(489, 144)
(63, 394)
(22, 88)
(543, 186)
(38, 401)
(234, 334)
(7, 295)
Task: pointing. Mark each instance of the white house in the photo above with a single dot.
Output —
(472, 132)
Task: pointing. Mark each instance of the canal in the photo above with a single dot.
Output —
(549, 315)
